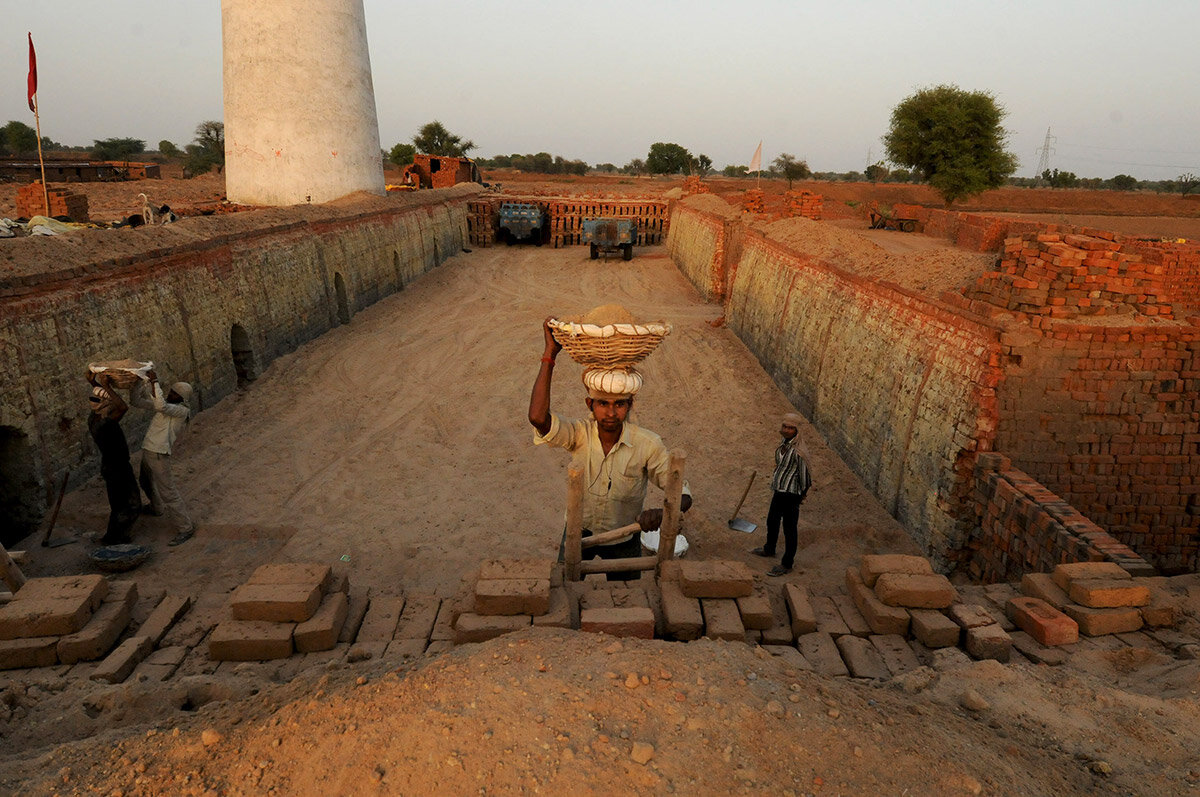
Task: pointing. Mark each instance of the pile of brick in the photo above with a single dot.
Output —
(716, 599)
(805, 204)
(482, 220)
(565, 217)
(63, 620)
(31, 201)
(281, 609)
(1024, 527)
(511, 594)
(1100, 598)
(753, 201)
(694, 185)
(1065, 276)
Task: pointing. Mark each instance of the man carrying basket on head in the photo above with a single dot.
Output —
(618, 458)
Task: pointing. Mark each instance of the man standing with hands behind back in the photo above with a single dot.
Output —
(791, 482)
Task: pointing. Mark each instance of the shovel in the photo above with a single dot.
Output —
(736, 523)
(46, 541)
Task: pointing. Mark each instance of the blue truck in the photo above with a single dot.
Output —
(610, 235)
(520, 221)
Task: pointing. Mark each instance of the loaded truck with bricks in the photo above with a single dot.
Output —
(609, 235)
(521, 221)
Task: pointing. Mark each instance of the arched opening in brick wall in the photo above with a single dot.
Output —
(20, 493)
(243, 356)
(343, 303)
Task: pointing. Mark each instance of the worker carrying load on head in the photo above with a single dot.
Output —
(618, 458)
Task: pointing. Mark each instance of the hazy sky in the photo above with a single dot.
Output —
(1116, 82)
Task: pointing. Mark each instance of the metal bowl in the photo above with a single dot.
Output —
(119, 558)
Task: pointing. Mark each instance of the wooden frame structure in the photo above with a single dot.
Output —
(576, 568)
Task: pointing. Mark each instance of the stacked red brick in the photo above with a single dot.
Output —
(1064, 276)
(281, 609)
(32, 202)
(805, 204)
(482, 218)
(694, 185)
(567, 217)
(753, 201)
(1101, 598)
(63, 620)
(1024, 527)
(511, 594)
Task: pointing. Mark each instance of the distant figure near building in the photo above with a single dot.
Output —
(791, 482)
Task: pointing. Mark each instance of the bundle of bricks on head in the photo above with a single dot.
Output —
(31, 201)
(73, 619)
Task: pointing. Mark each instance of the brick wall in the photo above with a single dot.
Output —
(1107, 416)
(31, 201)
(903, 389)
(281, 280)
(566, 216)
(1026, 528)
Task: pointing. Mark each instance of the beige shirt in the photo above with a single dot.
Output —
(168, 420)
(614, 485)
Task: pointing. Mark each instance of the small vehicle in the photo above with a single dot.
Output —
(882, 222)
(610, 235)
(521, 221)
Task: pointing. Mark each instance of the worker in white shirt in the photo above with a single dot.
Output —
(170, 417)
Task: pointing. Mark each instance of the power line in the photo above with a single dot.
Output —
(1044, 159)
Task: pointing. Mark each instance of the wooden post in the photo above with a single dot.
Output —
(672, 495)
(628, 565)
(573, 548)
(10, 574)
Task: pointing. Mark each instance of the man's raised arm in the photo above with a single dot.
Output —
(539, 399)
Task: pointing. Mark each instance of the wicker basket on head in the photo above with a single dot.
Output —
(609, 345)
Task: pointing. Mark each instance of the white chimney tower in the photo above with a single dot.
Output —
(300, 123)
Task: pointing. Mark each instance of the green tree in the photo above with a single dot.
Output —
(1187, 183)
(1123, 182)
(207, 150)
(434, 139)
(703, 165)
(899, 176)
(667, 158)
(117, 149)
(876, 171)
(18, 137)
(634, 167)
(953, 139)
(608, 168)
(1058, 179)
(402, 154)
(168, 149)
(790, 167)
(735, 171)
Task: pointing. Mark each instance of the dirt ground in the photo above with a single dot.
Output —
(398, 446)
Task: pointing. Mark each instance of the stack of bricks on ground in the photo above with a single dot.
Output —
(71, 619)
(565, 218)
(31, 201)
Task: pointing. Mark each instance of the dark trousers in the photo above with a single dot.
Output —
(619, 550)
(124, 503)
(785, 509)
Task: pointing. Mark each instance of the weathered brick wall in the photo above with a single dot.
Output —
(565, 217)
(179, 295)
(902, 388)
(1026, 528)
(698, 244)
(1108, 418)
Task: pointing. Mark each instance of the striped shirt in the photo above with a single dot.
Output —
(791, 471)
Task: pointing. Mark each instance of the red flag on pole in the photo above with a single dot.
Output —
(32, 74)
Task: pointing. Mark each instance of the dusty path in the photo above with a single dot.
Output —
(400, 440)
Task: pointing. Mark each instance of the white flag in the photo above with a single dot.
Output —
(756, 161)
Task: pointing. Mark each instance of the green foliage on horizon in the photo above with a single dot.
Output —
(952, 138)
(18, 138)
(665, 158)
(402, 154)
(117, 149)
(539, 163)
(790, 167)
(434, 139)
(207, 150)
